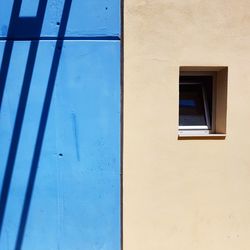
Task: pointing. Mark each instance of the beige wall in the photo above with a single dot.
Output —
(192, 194)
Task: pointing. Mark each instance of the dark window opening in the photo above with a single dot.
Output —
(195, 102)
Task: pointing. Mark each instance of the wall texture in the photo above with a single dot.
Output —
(191, 194)
(60, 125)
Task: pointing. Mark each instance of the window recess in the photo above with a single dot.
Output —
(202, 101)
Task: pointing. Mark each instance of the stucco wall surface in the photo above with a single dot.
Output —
(192, 194)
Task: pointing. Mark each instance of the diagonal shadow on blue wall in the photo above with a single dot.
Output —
(24, 28)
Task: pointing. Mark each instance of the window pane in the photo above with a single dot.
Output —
(191, 105)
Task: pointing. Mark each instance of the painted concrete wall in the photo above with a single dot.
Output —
(60, 125)
(191, 194)
(86, 18)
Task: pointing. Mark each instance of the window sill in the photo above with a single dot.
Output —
(201, 137)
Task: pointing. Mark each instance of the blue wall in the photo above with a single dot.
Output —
(87, 17)
(60, 126)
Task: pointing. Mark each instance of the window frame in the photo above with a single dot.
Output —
(218, 108)
(205, 128)
(201, 130)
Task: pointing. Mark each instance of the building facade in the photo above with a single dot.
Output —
(137, 146)
(193, 193)
(60, 125)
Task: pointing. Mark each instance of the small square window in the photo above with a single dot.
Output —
(202, 98)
